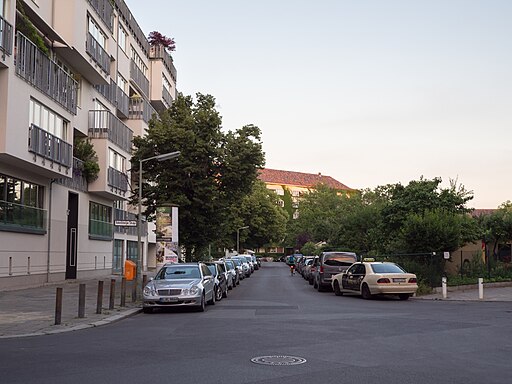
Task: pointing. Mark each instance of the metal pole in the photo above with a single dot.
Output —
(238, 241)
(139, 233)
(99, 297)
(112, 293)
(81, 301)
(58, 306)
(123, 292)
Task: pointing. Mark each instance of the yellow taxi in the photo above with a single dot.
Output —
(370, 277)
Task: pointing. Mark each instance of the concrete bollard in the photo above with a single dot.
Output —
(58, 306)
(480, 288)
(81, 301)
(99, 301)
(445, 293)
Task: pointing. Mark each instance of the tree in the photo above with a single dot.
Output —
(156, 38)
(496, 227)
(214, 170)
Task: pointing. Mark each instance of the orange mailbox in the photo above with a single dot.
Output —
(130, 270)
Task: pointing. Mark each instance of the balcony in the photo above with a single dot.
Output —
(46, 75)
(97, 53)
(105, 125)
(21, 218)
(77, 181)
(50, 147)
(117, 181)
(140, 80)
(105, 11)
(141, 109)
(116, 96)
(167, 97)
(158, 52)
(5, 37)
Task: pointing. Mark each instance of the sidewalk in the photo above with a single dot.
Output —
(31, 311)
(494, 292)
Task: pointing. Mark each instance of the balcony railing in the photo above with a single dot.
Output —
(38, 70)
(105, 10)
(117, 180)
(48, 146)
(97, 53)
(16, 216)
(159, 52)
(105, 125)
(116, 96)
(5, 37)
(141, 109)
(167, 97)
(78, 181)
(139, 78)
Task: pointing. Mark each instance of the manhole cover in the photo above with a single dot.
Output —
(278, 360)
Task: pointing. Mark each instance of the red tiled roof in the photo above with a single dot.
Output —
(299, 179)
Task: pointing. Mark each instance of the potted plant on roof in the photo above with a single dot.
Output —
(156, 39)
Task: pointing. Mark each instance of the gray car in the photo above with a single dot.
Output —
(329, 264)
(189, 285)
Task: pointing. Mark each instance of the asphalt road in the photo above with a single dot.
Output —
(344, 340)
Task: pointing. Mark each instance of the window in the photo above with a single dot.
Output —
(139, 62)
(1, 8)
(122, 83)
(21, 204)
(115, 160)
(166, 83)
(100, 221)
(132, 251)
(117, 264)
(48, 120)
(121, 37)
(96, 33)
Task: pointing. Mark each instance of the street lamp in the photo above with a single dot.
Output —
(238, 238)
(165, 156)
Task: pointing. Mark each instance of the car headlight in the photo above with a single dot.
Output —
(190, 292)
(149, 290)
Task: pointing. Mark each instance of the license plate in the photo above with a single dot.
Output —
(401, 280)
(168, 299)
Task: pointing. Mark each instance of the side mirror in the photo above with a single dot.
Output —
(151, 279)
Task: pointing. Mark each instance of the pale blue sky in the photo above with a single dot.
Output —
(369, 92)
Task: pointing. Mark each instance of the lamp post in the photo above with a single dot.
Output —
(238, 238)
(138, 279)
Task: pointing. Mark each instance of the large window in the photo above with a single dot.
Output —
(100, 221)
(48, 120)
(96, 33)
(21, 204)
(122, 83)
(132, 250)
(116, 161)
(121, 37)
(167, 85)
(139, 62)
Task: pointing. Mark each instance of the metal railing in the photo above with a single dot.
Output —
(141, 109)
(22, 216)
(78, 182)
(115, 95)
(5, 36)
(49, 146)
(97, 53)
(40, 71)
(159, 52)
(130, 21)
(122, 101)
(139, 78)
(105, 10)
(105, 125)
(167, 97)
(117, 180)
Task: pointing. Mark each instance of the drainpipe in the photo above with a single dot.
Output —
(49, 231)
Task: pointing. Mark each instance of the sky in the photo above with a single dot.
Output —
(370, 92)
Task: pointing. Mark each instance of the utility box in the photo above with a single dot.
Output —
(130, 270)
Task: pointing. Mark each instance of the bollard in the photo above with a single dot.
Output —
(81, 301)
(134, 291)
(99, 301)
(144, 281)
(112, 293)
(123, 292)
(480, 288)
(443, 280)
(58, 306)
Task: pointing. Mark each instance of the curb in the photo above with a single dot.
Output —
(98, 323)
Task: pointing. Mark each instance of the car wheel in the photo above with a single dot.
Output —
(212, 300)
(337, 290)
(202, 306)
(365, 292)
(218, 294)
(404, 296)
(147, 310)
(320, 287)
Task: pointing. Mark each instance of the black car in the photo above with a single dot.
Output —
(221, 284)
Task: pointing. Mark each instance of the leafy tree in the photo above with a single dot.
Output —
(496, 227)
(214, 170)
(309, 249)
(83, 150)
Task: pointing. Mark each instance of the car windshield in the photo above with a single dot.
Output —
(248, 259)
(229, 264)
(386, 268)
(178, 272)
(340, 259)
(213, 269)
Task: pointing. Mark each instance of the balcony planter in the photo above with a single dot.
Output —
(25, 26)
(84, 150)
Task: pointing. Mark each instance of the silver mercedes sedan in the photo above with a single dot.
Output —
(190, 284)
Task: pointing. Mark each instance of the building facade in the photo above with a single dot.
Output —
(72, 71)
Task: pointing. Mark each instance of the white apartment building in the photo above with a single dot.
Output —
(85, 71)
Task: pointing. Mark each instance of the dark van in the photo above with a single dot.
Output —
(329, 264)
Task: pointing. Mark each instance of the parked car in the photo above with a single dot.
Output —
(329, 264)
(246, 268)
(229, 276)
(370, 278)
(221, 284)
(231, 267)
(307, 262)
(190, 284)
(239, 269)
(311, 270)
